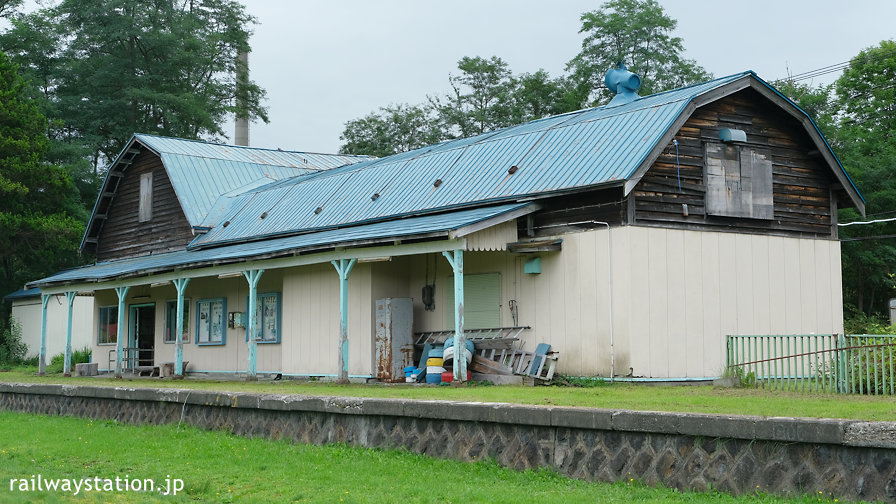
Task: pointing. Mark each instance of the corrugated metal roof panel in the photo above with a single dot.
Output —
(201, 172)
(431, 225)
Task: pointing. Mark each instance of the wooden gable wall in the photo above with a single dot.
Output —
(123, 235)
(804, 203)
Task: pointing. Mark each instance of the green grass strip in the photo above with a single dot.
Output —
(220, 467)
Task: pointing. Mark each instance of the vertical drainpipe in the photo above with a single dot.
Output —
(252, 276)
(42, 367)
(67, 366)
(122, 293)
(181, 285)
(456, 259)
(343, 268)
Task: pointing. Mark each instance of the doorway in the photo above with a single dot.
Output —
(142, 337)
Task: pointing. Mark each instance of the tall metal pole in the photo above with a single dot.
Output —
(252, 276)
(181, 285)
(343, 268)
(67, 365)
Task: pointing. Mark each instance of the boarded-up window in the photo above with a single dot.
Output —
(145, 197)
(738, 182)
(482, 301)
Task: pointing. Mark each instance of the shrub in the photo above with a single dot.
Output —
(12, 348)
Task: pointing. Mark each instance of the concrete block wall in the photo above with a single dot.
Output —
(849, 460)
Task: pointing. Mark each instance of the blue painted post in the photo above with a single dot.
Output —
(67, 366)
(122, 293)
(42, 365)
(181, 285)
(343, 268)
(252, 276)
(456, 259)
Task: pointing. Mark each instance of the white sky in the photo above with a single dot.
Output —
(325, 62)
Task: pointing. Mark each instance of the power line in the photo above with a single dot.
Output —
(837, 67)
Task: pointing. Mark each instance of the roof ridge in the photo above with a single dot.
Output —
(249, 147)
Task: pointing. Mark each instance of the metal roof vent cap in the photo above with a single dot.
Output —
(623, 84)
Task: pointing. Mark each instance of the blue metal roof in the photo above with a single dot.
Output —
(430, 226)
(243, 194)
(201, 172)
(590, 147)
(23, 294)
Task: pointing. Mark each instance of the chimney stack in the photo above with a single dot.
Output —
(241, 133)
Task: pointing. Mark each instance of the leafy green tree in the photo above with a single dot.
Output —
(537, 95)
(110, 68)
(481, 97)
(38, 235)
(393, 129)
(639, 34)
(866, 144)
(818, 102)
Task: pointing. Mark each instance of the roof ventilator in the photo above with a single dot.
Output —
(732, 135)
(623, 84)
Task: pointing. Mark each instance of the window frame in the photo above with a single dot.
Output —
(259, 324)
(753, 202)
(144, 209)
(208, 325)
(114, 321)
(171, 305)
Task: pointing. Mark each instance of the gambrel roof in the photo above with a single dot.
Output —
(241, 195)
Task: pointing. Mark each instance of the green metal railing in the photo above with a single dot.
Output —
(846, 364)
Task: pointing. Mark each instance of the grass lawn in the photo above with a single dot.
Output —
(219, 467)
(694, 399)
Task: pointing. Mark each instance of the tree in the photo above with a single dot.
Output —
(117, 67)
(639, 34)
(866, 144)
(481, 97)
(394, 129)
(818, 102)
(38, 235)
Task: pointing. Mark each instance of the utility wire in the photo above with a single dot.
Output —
(891, 219)
(837, 67)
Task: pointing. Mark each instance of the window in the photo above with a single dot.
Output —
(482, 301)
(210, 321)
(267, 318)
(145, 212)
(171, 321)
(738, 182)
(108, 325)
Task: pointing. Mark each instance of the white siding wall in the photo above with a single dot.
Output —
(675, 295)
(27, 312)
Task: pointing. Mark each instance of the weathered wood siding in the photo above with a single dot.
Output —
(574, 212)
(123, 235)
(801, 182)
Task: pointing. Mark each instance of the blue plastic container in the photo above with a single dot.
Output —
(436, 352)
(433, 378)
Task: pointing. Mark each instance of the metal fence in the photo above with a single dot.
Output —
(846, 364)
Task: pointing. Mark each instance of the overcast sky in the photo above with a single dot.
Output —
(326, 62)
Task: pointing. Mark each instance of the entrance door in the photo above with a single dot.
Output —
(142, 334)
